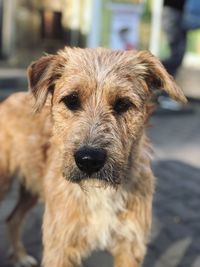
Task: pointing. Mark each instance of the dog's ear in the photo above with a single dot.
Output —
(42, 75)
(149, 67)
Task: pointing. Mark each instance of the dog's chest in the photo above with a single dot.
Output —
(104, 223)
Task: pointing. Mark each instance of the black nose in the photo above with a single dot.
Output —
(90, 159)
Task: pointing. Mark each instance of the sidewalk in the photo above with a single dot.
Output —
(175, 240)
(176, 228)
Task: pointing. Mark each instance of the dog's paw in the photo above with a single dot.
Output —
(21, 259)
(25, 261)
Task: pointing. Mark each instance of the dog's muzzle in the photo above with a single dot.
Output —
(89, 159)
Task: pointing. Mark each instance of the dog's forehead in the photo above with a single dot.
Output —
(99, 68)
(97, 60)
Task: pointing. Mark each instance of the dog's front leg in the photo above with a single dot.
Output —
(62, 257)
(18, 253)
(64, 246)
(127, 254)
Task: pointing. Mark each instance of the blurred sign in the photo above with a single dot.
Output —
(125, 25)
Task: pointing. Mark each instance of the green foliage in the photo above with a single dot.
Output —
(193, 41)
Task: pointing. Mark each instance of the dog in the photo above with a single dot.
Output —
(84, 152)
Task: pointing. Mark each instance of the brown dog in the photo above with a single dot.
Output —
(85, 152)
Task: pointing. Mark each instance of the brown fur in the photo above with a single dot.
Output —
(112, 209)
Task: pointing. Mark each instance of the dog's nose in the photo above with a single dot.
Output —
(90, 159)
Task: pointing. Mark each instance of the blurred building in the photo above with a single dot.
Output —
(38, 25)
(29, 27)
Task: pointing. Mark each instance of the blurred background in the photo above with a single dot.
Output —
(30, 28)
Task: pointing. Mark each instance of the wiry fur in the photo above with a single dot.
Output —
(112, 209)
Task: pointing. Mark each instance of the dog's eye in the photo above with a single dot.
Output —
(122, 105)
(72, 101)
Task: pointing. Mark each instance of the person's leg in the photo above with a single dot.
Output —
(176, 37)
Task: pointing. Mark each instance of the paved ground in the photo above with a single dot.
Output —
(175, 240)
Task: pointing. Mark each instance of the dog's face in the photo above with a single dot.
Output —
(100, 101)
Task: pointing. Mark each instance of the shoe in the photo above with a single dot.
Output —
(168, 106)
(168, 103)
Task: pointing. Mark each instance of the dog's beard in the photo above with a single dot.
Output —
(109, 175)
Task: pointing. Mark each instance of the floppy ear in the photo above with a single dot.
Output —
(42, 75)
(149, 67)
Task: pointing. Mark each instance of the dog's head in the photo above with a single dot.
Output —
(100, 104)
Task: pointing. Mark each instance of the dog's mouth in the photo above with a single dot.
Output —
(107, 176)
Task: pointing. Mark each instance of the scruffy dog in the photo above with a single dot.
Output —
(85, 152)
